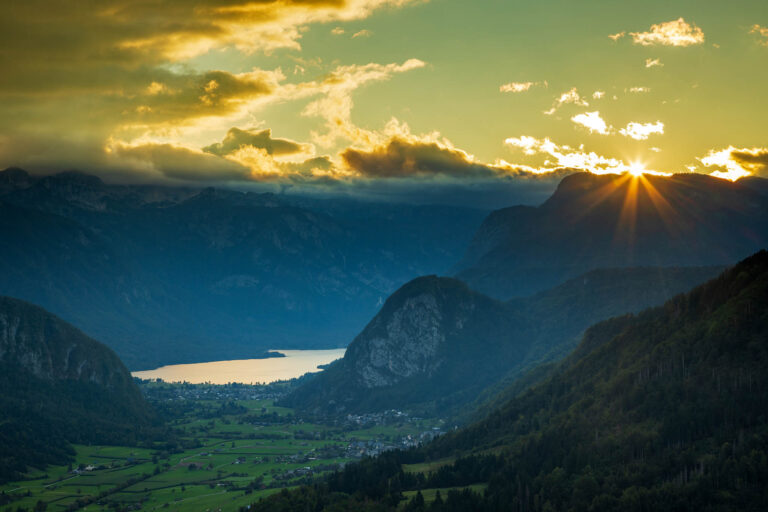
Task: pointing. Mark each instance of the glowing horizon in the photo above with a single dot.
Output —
(374, 94)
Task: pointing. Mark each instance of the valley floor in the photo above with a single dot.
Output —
(231, 450)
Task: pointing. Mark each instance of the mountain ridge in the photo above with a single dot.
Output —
(601, 221)
(58, 386)
(208, 274)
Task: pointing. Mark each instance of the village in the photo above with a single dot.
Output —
(227, 445)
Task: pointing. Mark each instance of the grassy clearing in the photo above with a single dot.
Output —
(428, 467)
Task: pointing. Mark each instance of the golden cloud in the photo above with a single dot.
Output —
(572, 96)
(126, 33)
(260, 139)
(733, 163)
(335, 107)
(162, 162)
(565, 157)
(118, 67)
(405, 155)
(641, 131)
(761, 32)
(593, 122)
(651, 63)
(400, 158)
(670, 33)
(515, 87)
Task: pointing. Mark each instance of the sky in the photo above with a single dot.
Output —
(435, 100)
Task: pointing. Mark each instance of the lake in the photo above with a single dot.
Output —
(246, 371)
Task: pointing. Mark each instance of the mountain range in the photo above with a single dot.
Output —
(172, 275)
(607, 221)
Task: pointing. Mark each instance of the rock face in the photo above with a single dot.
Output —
(436, 344)
(34, 341)
(607, 221)
(418, 331)
(407, 347)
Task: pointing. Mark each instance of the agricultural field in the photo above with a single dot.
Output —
(225, 453)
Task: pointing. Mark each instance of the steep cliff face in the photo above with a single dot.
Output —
(407, 346)
(419, 330)
(37, 342)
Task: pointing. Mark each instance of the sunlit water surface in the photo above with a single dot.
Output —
(247, 371)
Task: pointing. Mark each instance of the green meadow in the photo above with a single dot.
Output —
(227, 462)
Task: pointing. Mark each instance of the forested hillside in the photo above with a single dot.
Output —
(57, 387)
(664, 410)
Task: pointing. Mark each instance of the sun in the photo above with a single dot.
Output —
(637, 168)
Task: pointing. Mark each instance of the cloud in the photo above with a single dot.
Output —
(265, 168)
(157, 30)
(559, 157)
(121, 69)
(566, 157)
(650, 63)
(670, 33)
(401, 158)
(244, 165)
(733, 163)
(362, 33)
(598, 95)
(638, 90)
(54, 47)
(596, 124)
(176, 97)
(617, 36)
(337, 31)
(262, 139)
(146, 136)
(571, 96)
(762, 34)
(593, 122)
(157, 161)
(641, 131)
(335, 107)
(405, 155)
(515, 87)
